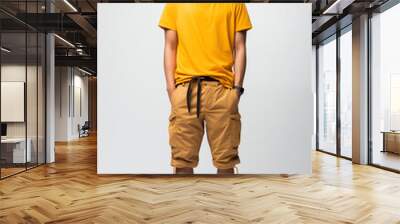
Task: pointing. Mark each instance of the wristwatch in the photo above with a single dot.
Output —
(239, 88)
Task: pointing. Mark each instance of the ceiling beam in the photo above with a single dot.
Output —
(83, 61)
(86, 27)
(337, 7)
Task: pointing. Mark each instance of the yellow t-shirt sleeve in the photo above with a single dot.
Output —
(168, 17)
(242, 18)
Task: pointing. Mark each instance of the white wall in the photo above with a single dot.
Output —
(68, 81)
(61, 103)
(133, 108)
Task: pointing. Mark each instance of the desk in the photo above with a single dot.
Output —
(13, 150)
(391, 141)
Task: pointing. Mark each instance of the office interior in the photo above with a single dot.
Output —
(29, 55)
(48, 82)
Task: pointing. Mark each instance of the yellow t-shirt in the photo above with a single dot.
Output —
(206, 35)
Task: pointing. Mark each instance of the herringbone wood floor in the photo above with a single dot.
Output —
(70, 191)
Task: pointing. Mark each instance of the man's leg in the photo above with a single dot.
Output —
(223, 128)
(185, 133)
(184, 171)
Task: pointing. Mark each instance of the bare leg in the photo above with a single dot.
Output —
(184, 171)
(226, 171)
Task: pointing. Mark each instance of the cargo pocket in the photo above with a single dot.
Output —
(234, 102)
(172, 129)
(235, 130)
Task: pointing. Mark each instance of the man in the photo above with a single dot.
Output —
(204, 63)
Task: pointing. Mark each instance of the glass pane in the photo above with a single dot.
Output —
(31, 86)
(327, 97)
(22, 88)
(32, 95)
(346, 93)
(13, 89)
(386, 89)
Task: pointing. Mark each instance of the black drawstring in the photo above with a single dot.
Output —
(189, 92)
(189, 95)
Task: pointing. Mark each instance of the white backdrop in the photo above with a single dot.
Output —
(133, 107)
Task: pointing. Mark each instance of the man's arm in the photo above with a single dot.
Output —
(170, 48)
(239, 67)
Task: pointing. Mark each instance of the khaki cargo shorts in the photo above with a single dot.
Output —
(219, 117)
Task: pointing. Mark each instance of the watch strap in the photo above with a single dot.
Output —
(240, 89)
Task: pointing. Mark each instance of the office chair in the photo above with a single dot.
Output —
(84, 130)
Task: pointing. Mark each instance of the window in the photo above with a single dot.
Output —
(346, 74)
(385, 89)
(327, 97)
